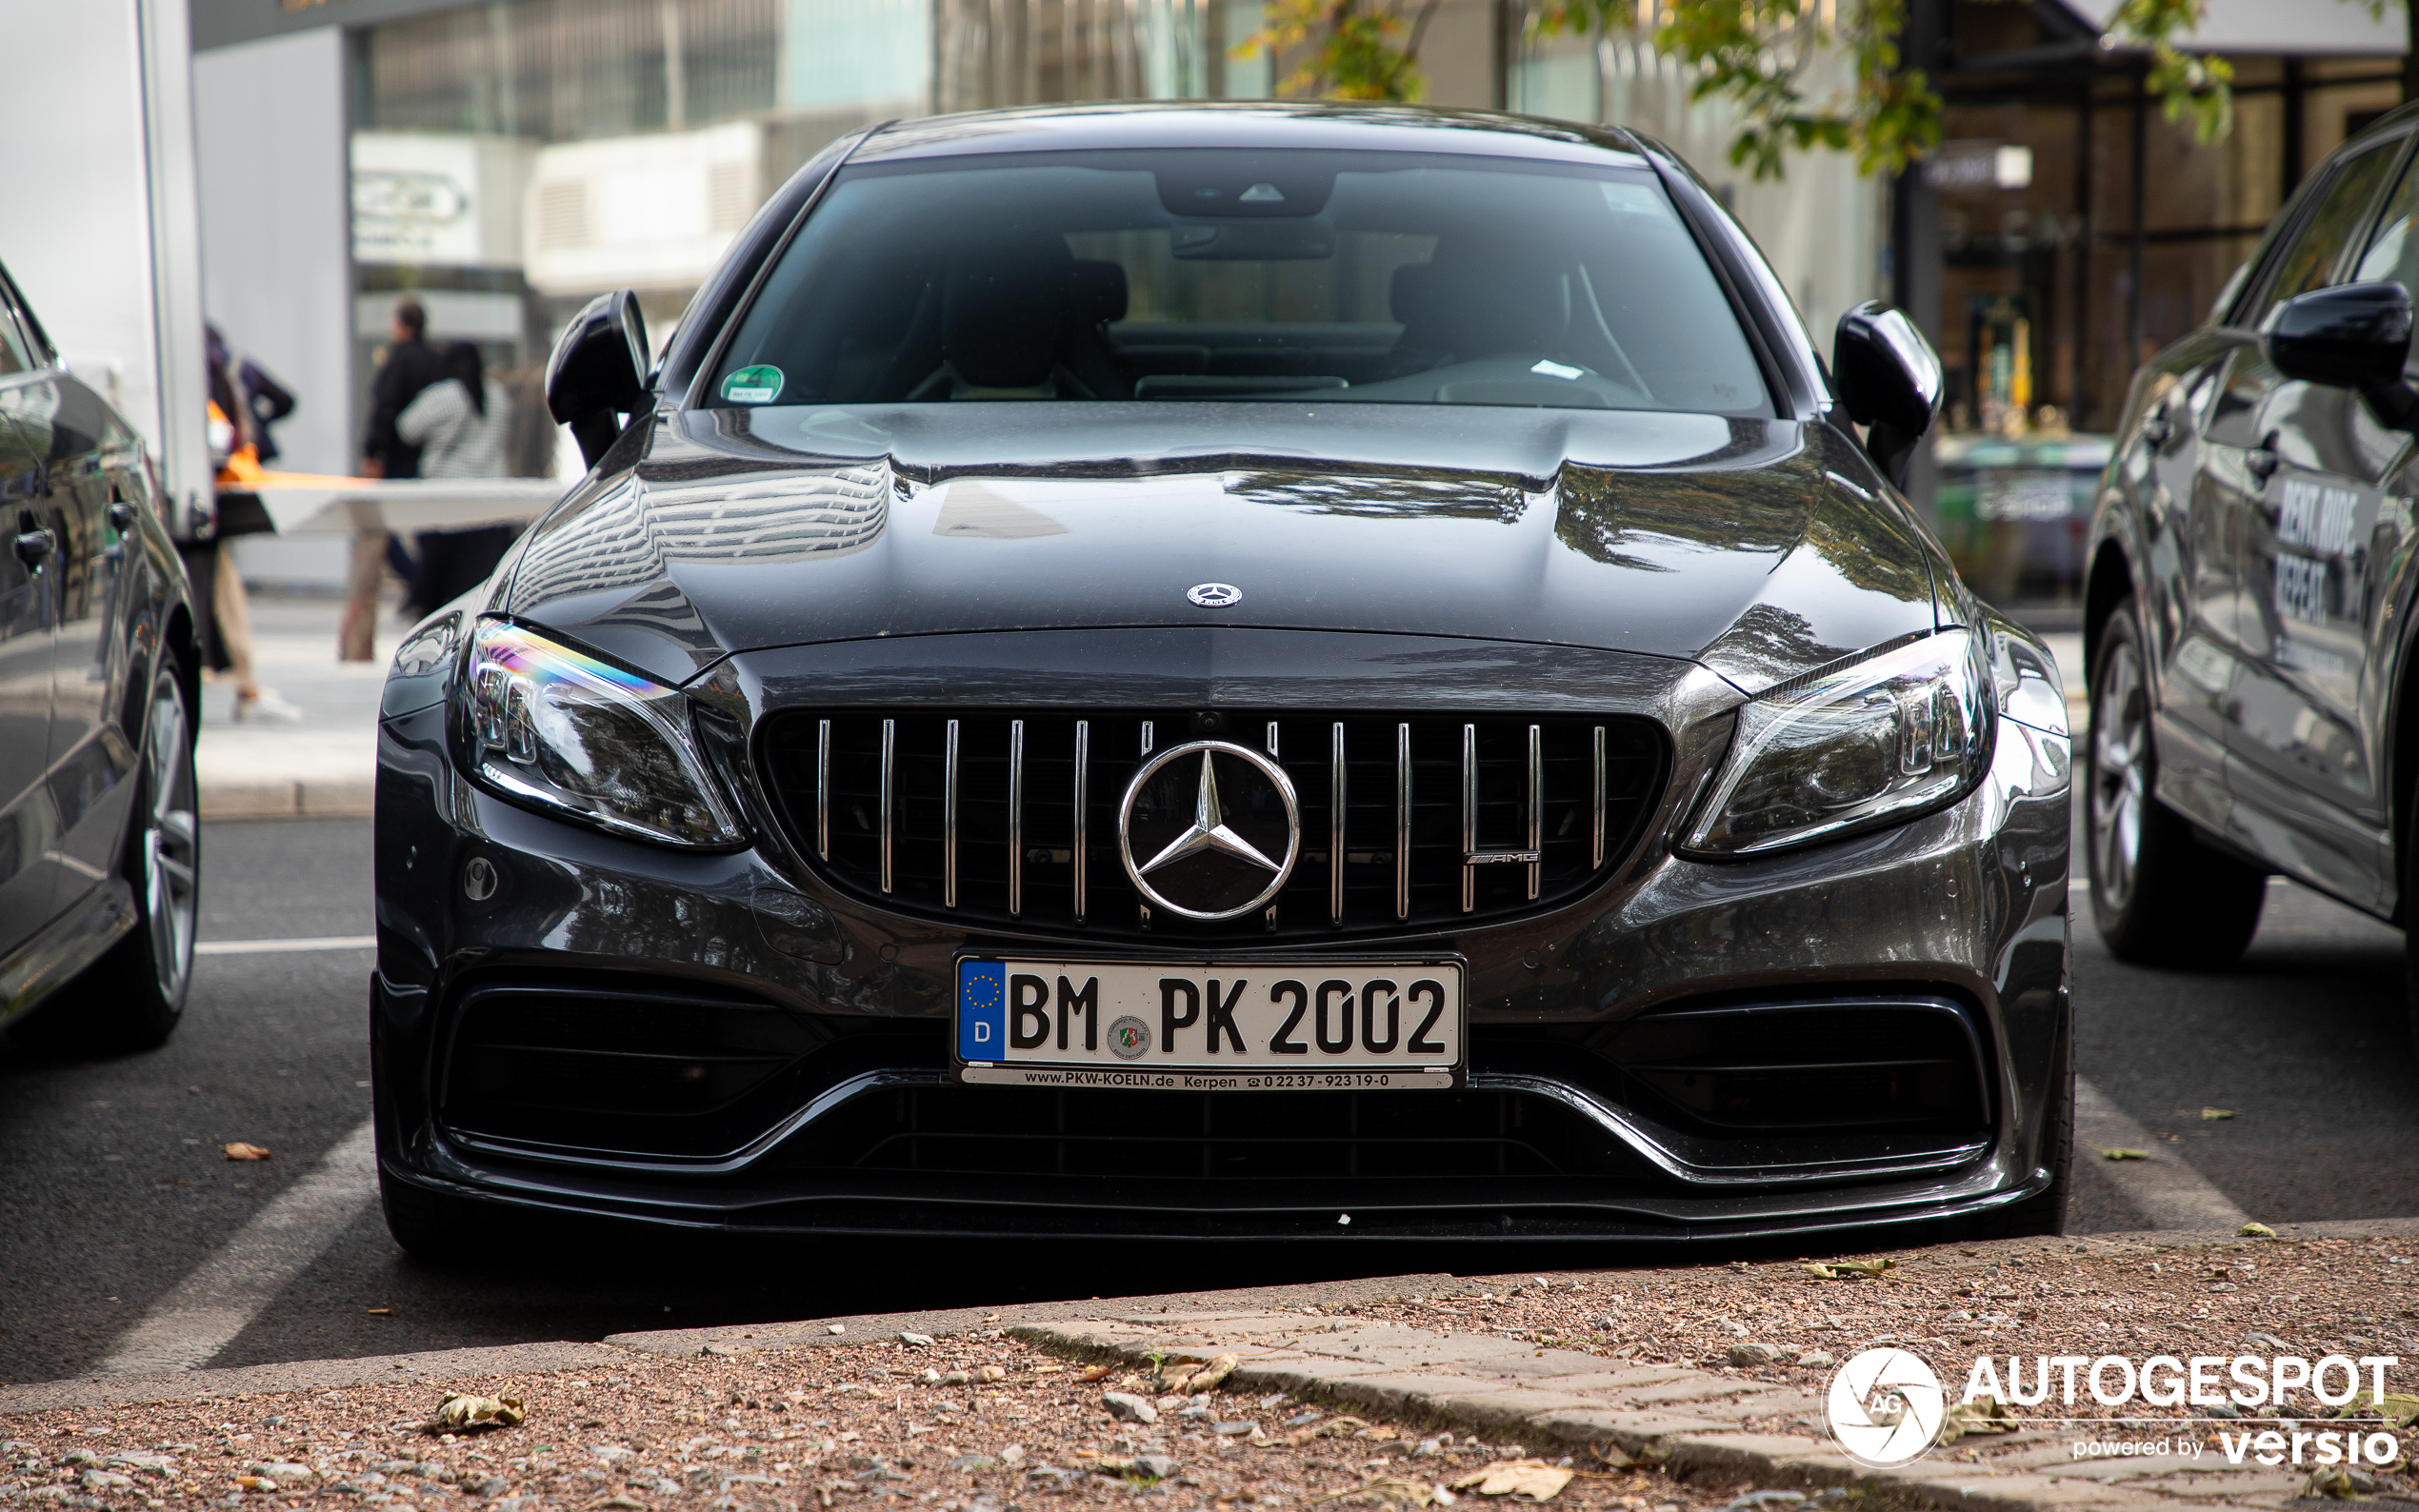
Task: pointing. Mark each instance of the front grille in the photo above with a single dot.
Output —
(1007, 818)
(1232, 1136)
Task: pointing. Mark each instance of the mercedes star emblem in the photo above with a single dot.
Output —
(1202, 852)
(1213, 595)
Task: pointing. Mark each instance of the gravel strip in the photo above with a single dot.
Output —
(1779, 1323)
(976, 1423)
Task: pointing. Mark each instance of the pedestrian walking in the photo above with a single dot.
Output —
(460, 424)
(236, 435)
(411, 364)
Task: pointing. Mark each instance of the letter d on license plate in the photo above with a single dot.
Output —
(1200, 1027)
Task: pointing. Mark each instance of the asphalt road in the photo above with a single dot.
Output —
(112, 1190)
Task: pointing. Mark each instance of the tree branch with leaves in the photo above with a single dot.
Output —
(1761, 55)
(1345, 49)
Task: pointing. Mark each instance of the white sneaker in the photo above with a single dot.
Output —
(266, 707)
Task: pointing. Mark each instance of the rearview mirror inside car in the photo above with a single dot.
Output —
(1889, 378)
(598, 372)
(2352, 336)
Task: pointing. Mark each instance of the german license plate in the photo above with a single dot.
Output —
(1203, 1026)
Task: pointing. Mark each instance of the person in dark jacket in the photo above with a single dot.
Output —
(411, 364)
(264, 400)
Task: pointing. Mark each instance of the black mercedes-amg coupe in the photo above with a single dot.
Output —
(1224, 672)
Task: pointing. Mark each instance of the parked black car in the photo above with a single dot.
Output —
(2249, 622)
(1224, 672)
(99, 847)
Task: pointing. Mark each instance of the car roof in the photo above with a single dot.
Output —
(1250, 124)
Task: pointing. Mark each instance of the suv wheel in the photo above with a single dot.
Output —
(131, 997)
(2159, 896)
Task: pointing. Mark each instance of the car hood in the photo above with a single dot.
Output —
(1736, 543)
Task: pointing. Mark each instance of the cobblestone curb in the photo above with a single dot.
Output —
(1564, 1402)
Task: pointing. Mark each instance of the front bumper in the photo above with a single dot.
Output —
(1963, 910)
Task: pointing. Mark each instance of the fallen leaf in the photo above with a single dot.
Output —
(1095, 1373)
(1986, 1415)
(1342, 1426)
(462, 1412)
(1611, 1456)
(1214, 1374)
(2211, 1115)
(2336, 1484)
(2125, 1155)
(1383, 1489)
(1850, 1269)
(241, 1151)
(1532, 1479)
(380, 1312)
(2255, 1231)
(2398, 1408)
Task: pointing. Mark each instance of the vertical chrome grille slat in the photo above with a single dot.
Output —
(889, 794)
(1082, 809)
(1335, 830)
(823, 790)
(1536, 806)
(1470, 816)
(948, 818)
(1403, 820)
(1149, 729)
(1272, 739)
(1597, 857)
(1015, 817)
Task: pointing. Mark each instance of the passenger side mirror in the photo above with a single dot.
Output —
(598, 372)
(2355, 336)
(1889, 378)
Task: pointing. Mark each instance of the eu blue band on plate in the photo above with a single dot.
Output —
(982, 1010)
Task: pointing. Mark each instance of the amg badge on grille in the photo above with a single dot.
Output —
(1209, 829)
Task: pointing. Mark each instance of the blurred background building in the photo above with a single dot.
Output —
(504, 161)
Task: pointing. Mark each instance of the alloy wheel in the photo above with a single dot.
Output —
(2120, 742)
(171, 846)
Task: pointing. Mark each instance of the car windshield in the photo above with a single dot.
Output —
(1393, 278)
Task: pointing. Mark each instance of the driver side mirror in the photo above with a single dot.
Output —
(598, 372)
(2355, 336)
(1889, 379)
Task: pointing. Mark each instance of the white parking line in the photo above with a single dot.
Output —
(261, 947)
(2161, 1186)
(226, 1292)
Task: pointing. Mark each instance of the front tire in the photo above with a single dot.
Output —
(132, 998)
(2159, 896)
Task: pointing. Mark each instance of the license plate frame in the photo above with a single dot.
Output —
(1297, 996)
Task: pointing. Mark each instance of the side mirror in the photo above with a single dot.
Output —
(1890, 380)
(598, 372)
(2352, 336)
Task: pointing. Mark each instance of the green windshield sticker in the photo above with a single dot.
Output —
(759, 385)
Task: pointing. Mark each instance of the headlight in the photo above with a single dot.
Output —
(1863, 745)
(555, 727)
